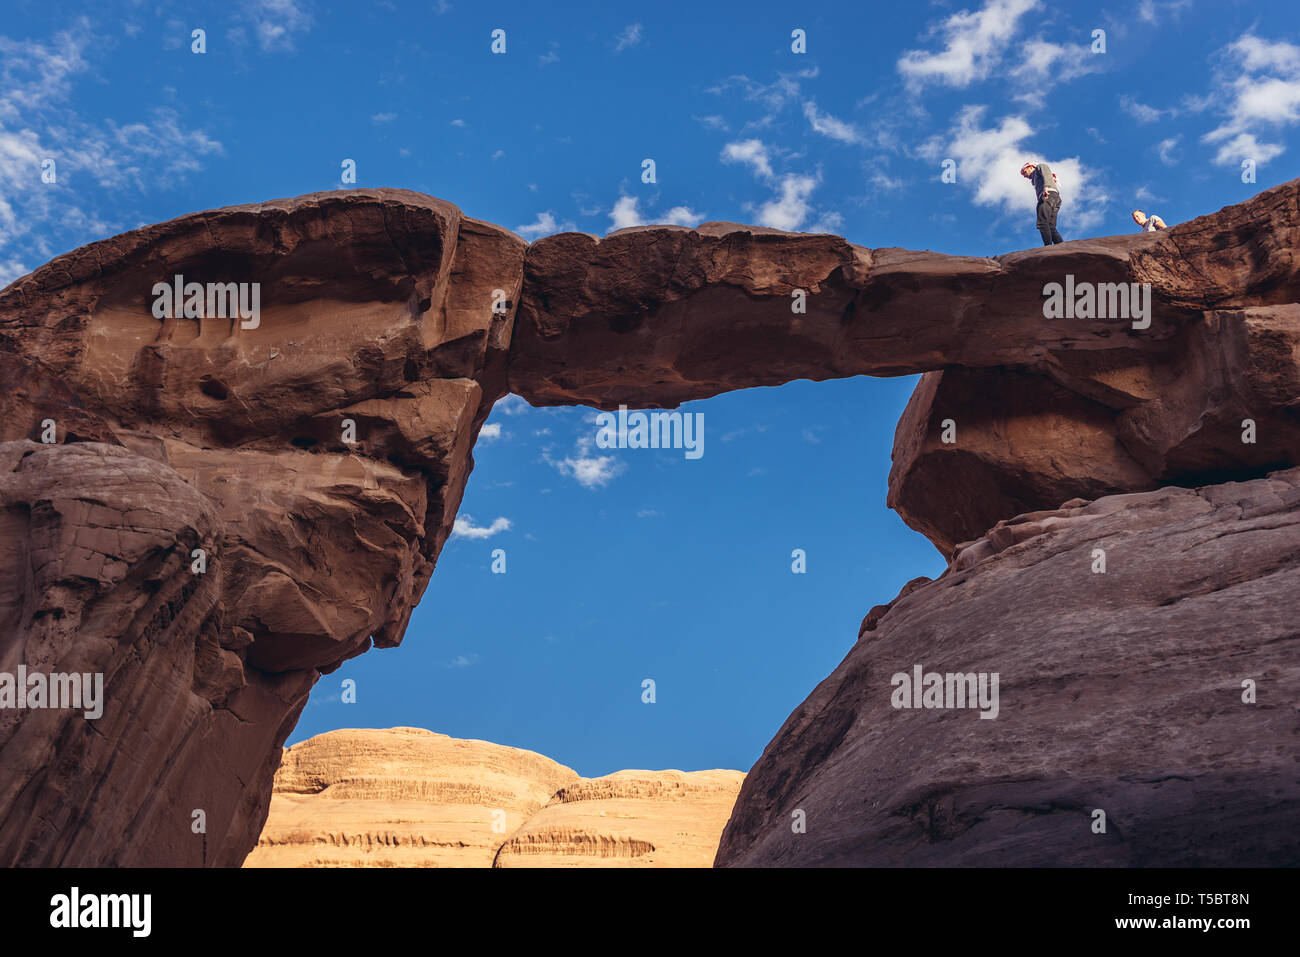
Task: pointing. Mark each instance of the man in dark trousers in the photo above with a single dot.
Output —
(1049, 199)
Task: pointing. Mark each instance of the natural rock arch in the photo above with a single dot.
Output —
(394, 311)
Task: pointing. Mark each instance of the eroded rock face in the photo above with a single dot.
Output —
(405, 797)
(180, 493)
(331, 431)
(1220, 400)
(1044, 409)
(402, 797)
(628, 819)
(1119, 691)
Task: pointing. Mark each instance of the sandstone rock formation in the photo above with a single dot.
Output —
(377, 307)
(628, 819)
(1119, 691)
(405, 797)
(182, 493)
(1045, 409)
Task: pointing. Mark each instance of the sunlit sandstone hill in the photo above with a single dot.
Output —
(406, 797)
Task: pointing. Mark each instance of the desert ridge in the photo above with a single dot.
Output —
(407, 797)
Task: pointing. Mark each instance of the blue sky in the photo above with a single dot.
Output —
(630, 564)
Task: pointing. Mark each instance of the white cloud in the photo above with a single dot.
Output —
(647, 513)
(11, 269)
(457, 122)
(546, 225)
(828, 222)
(774, 96)
(1165, 149)
(630, 37)
(1140, 111)
(590, 470)
(381, 118)
(828, 125)
(973, 45)
(790, 207)
(1260, 90)
(991, 159)
(490, 431)
(1045, 63)
(681, 216)
(462, 661)
(38, 124)
(276, 21)
(511, 404)
(464, 527)
(34, 76)
(626, 213)
(1150, 11)
(750, 152)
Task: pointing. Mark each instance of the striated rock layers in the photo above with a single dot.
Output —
(214, 496)
(411, 798)
(1160, 692)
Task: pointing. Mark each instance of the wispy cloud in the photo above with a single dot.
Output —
(789, 208)
(1152, 11)
(828, 125)
(1259, 89)
(275, 22)
(1167, 150)
(630, 37)
(39, 123)
(1140, 111)
(545, 225)
(511, 404)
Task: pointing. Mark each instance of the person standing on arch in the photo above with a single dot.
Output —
(1049, 199)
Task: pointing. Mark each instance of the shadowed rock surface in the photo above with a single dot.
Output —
(376, 308)
(412, 798)
(1120, 691)
(182, 493)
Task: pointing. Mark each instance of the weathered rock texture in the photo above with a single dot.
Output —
(1044, 409)
(1119, 691)
(188, 513)
(403, 797)
(628, 819)
(184, 434)
(411, 798)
